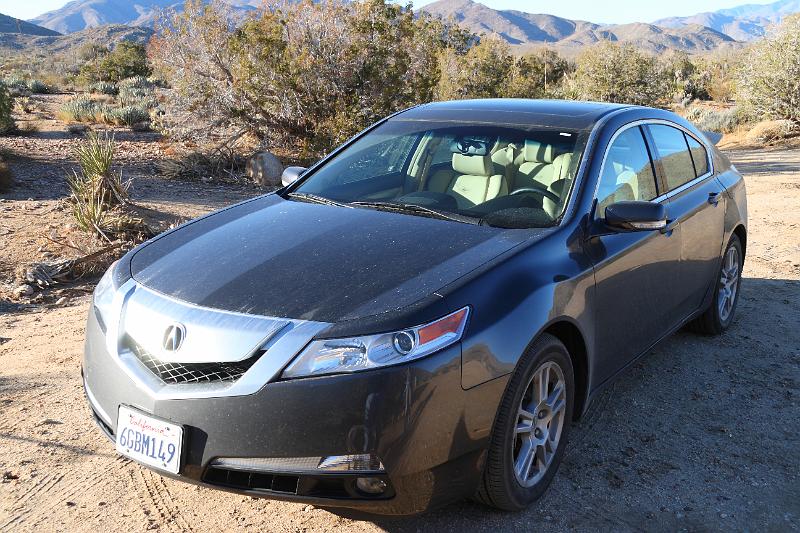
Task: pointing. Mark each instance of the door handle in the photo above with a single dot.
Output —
(713, 198)
(671, 225)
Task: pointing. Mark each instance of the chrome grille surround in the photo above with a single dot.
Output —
(266, 344)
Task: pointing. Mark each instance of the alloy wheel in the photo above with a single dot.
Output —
(540, 421)
(728, 283)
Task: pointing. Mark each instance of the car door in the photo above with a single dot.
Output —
(697, 205)
(635, 272)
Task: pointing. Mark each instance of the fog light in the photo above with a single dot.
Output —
(371, 485)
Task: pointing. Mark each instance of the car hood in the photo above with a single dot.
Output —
(291, 259)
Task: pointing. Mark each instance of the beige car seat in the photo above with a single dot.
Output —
(472, 182)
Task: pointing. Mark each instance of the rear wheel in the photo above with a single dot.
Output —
(531, 428)
(719, 316)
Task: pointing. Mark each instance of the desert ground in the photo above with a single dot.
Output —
(702, 434)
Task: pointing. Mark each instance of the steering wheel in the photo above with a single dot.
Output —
(543, 192)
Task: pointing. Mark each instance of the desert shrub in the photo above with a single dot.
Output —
(16, 85)
(536, 75)
(725, 120)
(6, 108)
(97, 192)
(78, 109)
(104, 87)
(482, 72)
(309, 76)
(769, 79)
(127, 59)
(772, 130)
(135, 95)
(24, 104)
(137, 82)
(38, 87)
(609, 72)
(129, 115)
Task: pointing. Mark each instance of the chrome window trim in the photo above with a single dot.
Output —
(280, 349)
(580, 173)
(673, 192)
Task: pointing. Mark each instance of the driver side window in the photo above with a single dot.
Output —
(627, 172)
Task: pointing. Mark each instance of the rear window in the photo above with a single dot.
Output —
(699, 156)
(673, 154)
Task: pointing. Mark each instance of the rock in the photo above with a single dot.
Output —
(23, 290)
(62, 300)
(265, 169)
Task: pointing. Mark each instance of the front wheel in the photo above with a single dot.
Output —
(719, 316)
(531, 428)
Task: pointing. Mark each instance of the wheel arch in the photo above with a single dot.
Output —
(571, 336)
(741, 232)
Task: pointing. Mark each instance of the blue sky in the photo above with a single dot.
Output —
(618, 11)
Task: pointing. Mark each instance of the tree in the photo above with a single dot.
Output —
(610, 72)
(769, 78)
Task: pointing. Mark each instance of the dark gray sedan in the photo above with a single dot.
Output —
(420, 316)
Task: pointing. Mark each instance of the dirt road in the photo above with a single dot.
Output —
(702, 434)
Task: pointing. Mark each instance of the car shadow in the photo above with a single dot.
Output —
(699, 433)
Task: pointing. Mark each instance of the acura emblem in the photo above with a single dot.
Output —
(173, 337)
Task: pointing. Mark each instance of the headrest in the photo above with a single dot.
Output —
(537, 152)
(473, 165)
(472, 145)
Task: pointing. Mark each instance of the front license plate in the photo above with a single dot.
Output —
(149, 440)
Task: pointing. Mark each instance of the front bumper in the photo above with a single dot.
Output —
(429, 432)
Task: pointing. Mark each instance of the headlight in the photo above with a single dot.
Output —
(104, 297)
(335, 356)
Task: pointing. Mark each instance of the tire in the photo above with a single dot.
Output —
(716, 319)
(502, 487)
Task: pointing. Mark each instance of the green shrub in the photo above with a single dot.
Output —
(138, 82)
(104, 87)
(125, 60)
(7, 124)
(38, 87)
(78, 109)
(16, 85)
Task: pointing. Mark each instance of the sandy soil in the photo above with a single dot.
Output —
(704, 433)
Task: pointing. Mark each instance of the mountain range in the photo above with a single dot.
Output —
(524, 31)
(12, 25)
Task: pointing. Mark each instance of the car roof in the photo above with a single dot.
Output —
(553, 113)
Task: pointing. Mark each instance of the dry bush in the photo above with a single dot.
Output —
(769, 80)
(197, 166)
(609, 72)
(310, 74)
(6, 107)
(772, 130)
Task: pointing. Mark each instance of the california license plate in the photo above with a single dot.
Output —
(149, 440)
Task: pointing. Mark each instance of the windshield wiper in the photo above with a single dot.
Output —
(416, 210)
(316, 199)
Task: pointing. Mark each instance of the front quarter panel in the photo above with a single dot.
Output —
(513, 303)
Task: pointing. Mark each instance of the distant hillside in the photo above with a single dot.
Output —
(743, 23)
(82, 14)
(527, 30)
(57, 44)
(12, 25)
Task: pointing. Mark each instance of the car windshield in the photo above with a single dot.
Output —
(508, 176)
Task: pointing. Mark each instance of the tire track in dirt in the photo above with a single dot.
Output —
(154, 493)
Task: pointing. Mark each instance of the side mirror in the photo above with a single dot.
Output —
(636, 216)
(292, 174)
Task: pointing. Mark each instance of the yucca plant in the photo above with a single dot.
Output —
(98, 194)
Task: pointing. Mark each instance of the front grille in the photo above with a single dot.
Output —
(181, 373)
